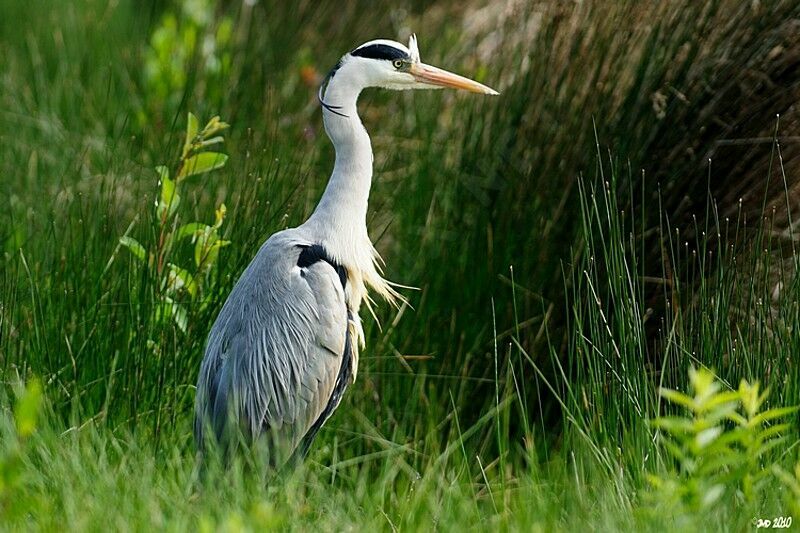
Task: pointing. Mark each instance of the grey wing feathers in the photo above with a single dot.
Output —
(275, 350)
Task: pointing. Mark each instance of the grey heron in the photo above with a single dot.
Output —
(285, 345)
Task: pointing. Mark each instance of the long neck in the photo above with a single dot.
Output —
(342, 210)
(340, 220)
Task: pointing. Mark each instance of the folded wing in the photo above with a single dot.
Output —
(273, 365)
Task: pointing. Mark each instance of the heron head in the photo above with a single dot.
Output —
(392, 65)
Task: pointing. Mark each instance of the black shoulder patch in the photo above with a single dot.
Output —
(380, 51)
(316, 252)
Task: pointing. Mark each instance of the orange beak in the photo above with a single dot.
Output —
(441, 78)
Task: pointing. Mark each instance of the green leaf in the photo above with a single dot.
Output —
(210, 142)
(787, 479)
(214, 126)
(707, 436)
(163, 172)
(732, 436)
(206, 252)
(219, 215)
(737, 419)
(724, 411)
(720, 460)
(654, 480)
(164, 210)
(673, 448)
(177, 312)
(772, 414)
(772, 431)
(723, 400)
(200, 163)
(770, 444)
(750, 397)
(167, 190)
(703, 383)
(200, 248)
(713, 494)
(177, 276)
(170, 200)
(199, 252)
(27, 408)
(133, 245)
(192, 126)
(190, 230)
(180, 278)
(180, 316)
(674, 424)
(677, 397)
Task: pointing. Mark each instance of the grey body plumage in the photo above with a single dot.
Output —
(276, 349)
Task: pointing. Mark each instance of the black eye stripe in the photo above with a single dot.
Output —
(380, 51)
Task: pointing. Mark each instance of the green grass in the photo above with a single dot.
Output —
(573, 250)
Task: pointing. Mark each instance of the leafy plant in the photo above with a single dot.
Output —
(759, 432)
(27, 408)
(792, 483)
(175, 282)
(719, 446)
(187, 46)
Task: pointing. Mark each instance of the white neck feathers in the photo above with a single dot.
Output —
(340, 220)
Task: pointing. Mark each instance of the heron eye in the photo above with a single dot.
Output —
(397, 63)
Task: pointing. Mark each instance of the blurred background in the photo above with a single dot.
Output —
(575, 242)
